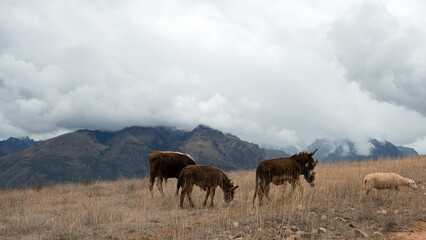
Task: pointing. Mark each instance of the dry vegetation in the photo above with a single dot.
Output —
(125, 210)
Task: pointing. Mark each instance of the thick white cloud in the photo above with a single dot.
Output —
(384, 54)
(282, 73)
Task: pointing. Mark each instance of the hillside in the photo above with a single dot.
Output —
(345, 150)
(93, 155)
(124, 209)
(12, 145)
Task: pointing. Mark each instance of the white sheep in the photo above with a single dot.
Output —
(386, 181)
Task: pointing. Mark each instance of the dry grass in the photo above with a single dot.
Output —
(124, 209)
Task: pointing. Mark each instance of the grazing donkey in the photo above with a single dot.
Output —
(207, 178)
(280, 170)
(309, 175)
(166, 165)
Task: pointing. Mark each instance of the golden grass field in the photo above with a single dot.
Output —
(124, 209)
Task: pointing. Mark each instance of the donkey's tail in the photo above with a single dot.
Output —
(180, 183)
(256, 188)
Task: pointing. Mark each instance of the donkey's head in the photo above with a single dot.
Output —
(309, 174)
(308, 164)
(229, 191)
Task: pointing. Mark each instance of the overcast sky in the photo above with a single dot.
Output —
(271, 72)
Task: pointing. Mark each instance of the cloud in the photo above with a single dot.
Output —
(382, 53)
(280, 74)
(419, 144)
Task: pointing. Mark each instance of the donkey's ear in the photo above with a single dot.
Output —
(312, 153)
(235, 187)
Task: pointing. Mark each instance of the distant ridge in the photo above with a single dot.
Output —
(92, 155)
(12, 145)
(345, 150)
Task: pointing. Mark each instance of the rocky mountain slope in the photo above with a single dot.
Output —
(12, 145)
(339, 150)
(93, 155)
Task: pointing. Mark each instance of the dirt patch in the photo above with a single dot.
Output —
(417, 232)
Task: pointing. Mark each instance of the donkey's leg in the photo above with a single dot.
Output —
(191, 203)
(190, 188)
(177, 187)
(267, 192)
(160, 185)
(182, 197)
(260, 192)
(207, 196)
(293, 186)
(213, 191)
(299, 184)
(266, 189)
(263, 187)
(294, 183)
(151, 184)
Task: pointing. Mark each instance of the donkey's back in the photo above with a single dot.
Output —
(202, 175)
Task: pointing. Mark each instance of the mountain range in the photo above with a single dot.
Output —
(92, 155)
(345, 150)
(103, 155)
(12, 145)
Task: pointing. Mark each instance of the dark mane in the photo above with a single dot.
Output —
(301, 154)
(226, 182)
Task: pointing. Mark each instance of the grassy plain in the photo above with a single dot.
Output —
(124, 209)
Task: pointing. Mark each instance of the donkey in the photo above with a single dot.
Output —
(281, 170)
(308, 174)
(207, 178)
(166, 165)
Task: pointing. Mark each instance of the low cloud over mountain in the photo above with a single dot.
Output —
(338, 150)
(92, 155)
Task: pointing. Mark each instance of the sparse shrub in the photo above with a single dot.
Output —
(391, 226)
(86, 182)
(39, 187)
(131, 188)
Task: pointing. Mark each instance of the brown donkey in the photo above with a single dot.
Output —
(207, 178)
(166, 165)
(280, 170)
